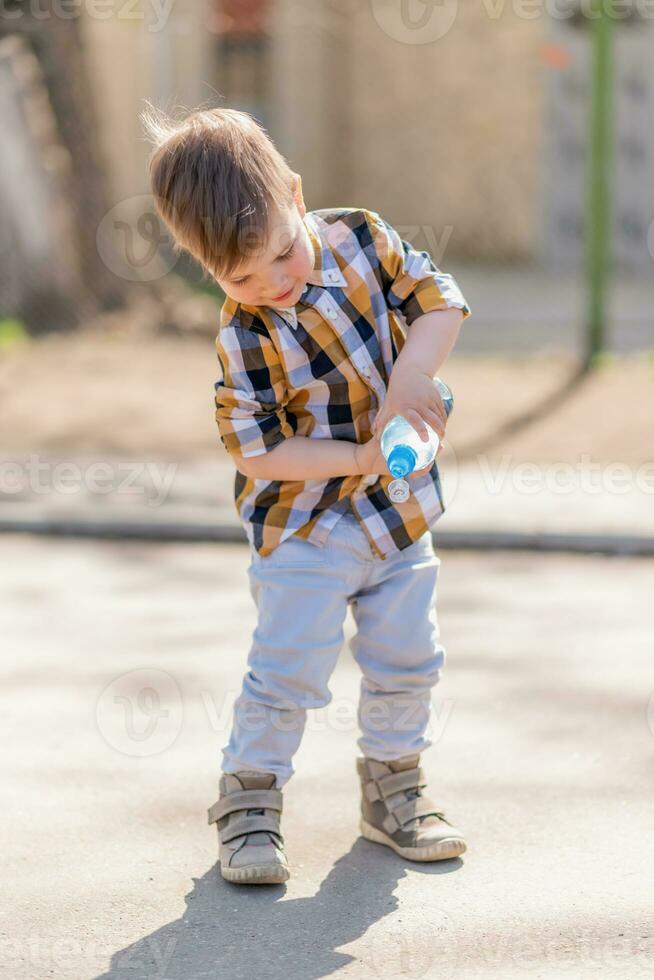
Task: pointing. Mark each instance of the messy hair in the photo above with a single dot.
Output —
(217, 179)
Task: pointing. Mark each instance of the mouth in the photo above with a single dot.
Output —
(280, 299)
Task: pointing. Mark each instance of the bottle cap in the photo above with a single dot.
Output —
(399, 491)
(402, 460)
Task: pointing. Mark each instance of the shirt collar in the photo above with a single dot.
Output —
(288, 315)
(326, 271)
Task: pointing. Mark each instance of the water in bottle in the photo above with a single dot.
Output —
(405, 451)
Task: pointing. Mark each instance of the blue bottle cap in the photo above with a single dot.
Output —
(402, 460)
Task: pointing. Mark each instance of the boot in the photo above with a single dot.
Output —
(395, 813)
(247, 815)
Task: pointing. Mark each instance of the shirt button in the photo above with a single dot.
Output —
(332, 313)
(332, 276)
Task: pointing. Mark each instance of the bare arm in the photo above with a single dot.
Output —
(430, 339)
(302, 458)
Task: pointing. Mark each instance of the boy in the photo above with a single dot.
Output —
(331, 325)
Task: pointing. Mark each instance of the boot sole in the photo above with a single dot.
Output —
(448, 848)
(261, 874)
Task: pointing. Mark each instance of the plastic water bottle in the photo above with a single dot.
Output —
(405, 451)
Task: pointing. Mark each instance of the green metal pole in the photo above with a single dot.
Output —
(598, 231)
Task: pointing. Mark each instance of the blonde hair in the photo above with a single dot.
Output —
(217, 179)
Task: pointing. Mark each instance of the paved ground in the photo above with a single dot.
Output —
(123, 663)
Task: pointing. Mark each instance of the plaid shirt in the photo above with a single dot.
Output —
(320, 370)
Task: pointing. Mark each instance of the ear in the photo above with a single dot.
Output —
(298, 196)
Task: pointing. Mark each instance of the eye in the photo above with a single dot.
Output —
(280, 258)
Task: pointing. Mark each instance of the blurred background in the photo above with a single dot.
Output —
(467, 124)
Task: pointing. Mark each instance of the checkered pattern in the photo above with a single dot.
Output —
(320, 370)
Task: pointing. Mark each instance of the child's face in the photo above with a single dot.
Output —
(276, 274)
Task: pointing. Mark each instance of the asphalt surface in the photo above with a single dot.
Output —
(121, 661)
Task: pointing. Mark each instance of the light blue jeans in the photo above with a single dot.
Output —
(302, 591)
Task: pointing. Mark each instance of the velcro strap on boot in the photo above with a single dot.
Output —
(420, 807)
(246, 799)
(394, 782)
(249, 825)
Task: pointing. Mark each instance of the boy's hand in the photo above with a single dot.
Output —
(413, 394)
(370, 459)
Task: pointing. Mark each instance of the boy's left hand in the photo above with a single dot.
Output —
(413, 394)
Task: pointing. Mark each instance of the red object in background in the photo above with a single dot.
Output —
(240, 18)
(555, 56)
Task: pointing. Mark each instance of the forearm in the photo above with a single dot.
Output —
(430, 338)
(302, 458)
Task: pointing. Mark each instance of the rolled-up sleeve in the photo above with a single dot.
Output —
(250, 396)
(411, 282)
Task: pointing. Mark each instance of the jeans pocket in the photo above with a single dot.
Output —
(296, 552)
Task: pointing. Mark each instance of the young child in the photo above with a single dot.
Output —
(331, 325)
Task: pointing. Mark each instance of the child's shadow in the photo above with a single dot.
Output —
(238, 932)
